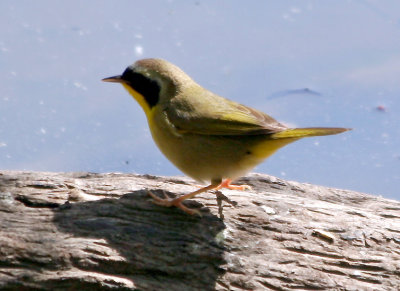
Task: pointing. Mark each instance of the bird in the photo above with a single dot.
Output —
(210, 138)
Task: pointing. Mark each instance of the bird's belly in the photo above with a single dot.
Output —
(209, 157)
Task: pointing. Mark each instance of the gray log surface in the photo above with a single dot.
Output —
(85, 231)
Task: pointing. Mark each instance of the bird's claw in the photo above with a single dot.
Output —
(169, 202)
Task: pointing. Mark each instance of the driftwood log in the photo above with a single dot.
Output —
(84, 231)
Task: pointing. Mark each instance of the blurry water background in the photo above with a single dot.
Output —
(306, 63)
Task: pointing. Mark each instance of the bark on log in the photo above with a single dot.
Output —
(84, 231)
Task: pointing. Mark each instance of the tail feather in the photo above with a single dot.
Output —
(306, 132)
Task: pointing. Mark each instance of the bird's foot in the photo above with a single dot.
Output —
(169, 202)
(227, 184)
(177, 202)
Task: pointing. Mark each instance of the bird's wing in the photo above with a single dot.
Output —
(210, 114)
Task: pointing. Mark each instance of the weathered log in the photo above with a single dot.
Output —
(84, 231)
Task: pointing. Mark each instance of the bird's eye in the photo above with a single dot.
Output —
(143, 84)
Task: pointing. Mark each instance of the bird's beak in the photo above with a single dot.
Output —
(114, 79)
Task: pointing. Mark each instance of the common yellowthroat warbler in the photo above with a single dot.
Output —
(208, 137)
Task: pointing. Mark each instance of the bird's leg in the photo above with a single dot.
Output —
(227, 184)
(177, 202)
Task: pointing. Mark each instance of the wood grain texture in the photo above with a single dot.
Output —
(71, 231)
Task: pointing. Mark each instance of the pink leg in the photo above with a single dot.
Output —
(177, 202)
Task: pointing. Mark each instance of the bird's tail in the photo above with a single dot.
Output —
(306, 132)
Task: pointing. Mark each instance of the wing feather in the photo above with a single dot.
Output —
(210, 114)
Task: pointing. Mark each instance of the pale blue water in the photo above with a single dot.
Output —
(56, 114)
